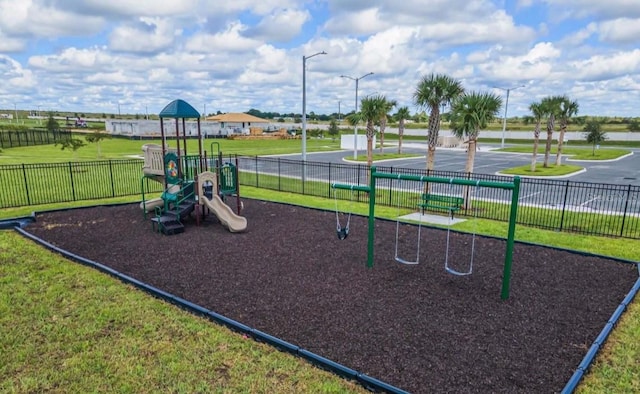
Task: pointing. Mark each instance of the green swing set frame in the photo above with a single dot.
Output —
(514, 186)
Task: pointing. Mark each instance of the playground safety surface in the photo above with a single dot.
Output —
(415, 327)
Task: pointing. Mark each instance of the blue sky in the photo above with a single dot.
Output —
(98, 56)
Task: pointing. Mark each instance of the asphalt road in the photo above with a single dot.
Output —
(625, 171)
(606, 187)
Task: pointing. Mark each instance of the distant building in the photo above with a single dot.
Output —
(151, 128)
(238, 123)
(213, 126)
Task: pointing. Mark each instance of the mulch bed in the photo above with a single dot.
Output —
(415, 327)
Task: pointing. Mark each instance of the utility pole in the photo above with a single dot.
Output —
(355, 129)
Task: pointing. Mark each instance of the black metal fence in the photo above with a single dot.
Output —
(560, 205)
(15, 138)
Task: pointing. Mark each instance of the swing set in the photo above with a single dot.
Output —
(514, 186)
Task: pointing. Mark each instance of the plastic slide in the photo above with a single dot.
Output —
(151, 204)
(225, 214)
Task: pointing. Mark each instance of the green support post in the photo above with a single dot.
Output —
(372, 209)
(508, 256)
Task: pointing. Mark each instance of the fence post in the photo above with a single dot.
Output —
(391, 187)
(626, 206)
(73, 189)
(564, 205)
(256, 159)
(26, 185)
(279, 176)
(113, 188)
(329, 184)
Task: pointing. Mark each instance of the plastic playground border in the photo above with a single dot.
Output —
(368, 382)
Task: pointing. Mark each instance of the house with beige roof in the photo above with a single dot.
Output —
(238, 123)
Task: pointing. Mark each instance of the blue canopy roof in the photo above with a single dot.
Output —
(179, 109)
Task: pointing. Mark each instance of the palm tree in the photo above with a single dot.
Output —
(550, 105)
(371, 110)
(389, 104)
(538, 111)
(432, 91)
(567, 108)
(470, 113)
(401, 116)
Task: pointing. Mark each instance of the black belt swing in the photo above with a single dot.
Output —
(343, 232)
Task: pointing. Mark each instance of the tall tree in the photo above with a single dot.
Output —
(550, 105)
(389, 104)
(371, 111)
(539, 112)
(402, 115)
(566, 109)
(469, 114)
(432, 91)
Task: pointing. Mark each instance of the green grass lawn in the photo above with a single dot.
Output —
(94, 324)
(553, 170)
(580, 153)
(120, 148)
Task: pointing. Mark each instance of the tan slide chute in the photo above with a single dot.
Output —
(223, 212)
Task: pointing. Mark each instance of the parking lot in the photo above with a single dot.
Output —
(611, 179)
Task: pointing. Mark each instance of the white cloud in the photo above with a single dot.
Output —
(73, 59)
(10, 44)
(131, 8)
(281, 26)
(356, 23)
(150, 35)
(621, 30)
(93, 54)
(23, 18)
(596, 8)
(537, 64)
(231, 41)
(608, 67)
(14, 77)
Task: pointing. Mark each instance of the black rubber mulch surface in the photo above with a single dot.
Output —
(416, 327)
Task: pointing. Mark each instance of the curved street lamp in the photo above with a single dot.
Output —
(304, 103)
(355, 129)
(506, 106)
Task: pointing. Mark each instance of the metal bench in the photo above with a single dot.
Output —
(442, 202)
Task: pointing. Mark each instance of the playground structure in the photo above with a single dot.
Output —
(189, 184)
(514, 186)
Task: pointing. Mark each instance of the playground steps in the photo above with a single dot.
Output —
(169, 223)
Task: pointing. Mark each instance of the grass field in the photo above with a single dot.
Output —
(113, 338)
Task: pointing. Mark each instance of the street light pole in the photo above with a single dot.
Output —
(506, 106)
(304, 103)
(355, 129)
